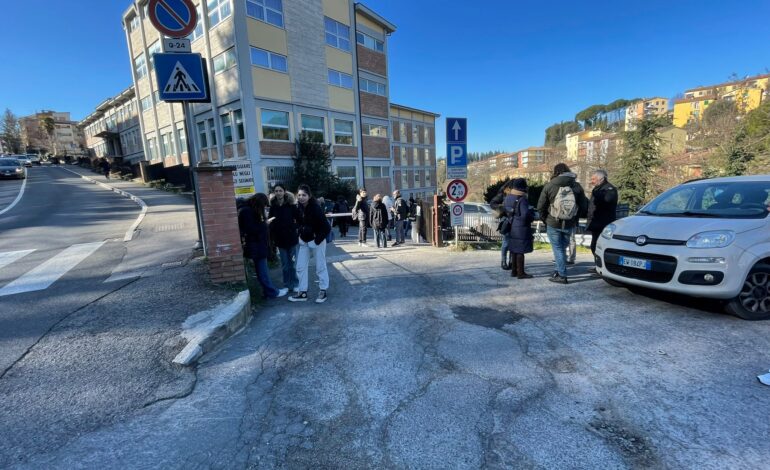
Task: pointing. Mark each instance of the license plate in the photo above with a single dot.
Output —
(636, 263)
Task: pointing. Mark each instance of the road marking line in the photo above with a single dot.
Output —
(18, 198)
(130, 232)
(43, 276)
(11, 256)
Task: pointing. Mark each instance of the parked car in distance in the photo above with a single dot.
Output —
(35, 159)
(12, 168)
(708, 238)
(24, 160)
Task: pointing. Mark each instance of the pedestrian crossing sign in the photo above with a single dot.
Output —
(181, 77)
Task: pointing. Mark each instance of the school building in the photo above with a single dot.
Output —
(278, 68)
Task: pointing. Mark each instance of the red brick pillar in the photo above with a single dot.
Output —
(220, 224)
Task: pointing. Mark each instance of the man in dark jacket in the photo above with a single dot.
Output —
(401, 214)
(361, 214)
(561, 203)
(378, 219)
(603, 208)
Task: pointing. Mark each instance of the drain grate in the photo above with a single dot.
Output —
(486, 317)
(169, 228)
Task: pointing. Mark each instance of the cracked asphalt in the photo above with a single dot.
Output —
(428, 359)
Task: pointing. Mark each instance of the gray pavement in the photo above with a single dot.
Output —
(429, 359)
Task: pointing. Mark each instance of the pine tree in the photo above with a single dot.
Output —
(640, 159)
(313, 166)
(10, 133)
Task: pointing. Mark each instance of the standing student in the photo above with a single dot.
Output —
(378, 219)
(602, 209)
(253, 223)
(497, 205)
(341, 207)
(283, 229)
(361, 214)
(401, 214)
(313, 229)
(520, 239)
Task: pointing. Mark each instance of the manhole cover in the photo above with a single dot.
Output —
(487, 317)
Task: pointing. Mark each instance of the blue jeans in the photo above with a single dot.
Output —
(504, 249)
(289, 266)
(263, 274)
(380, 236)
(399, 231)
(559, 239)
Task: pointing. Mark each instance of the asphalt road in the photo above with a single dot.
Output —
(57, 246)
(429, 359)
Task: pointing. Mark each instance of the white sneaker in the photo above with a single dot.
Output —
(321, 297)
(282, 292)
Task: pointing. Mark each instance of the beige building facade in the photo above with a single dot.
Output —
(112, 131)
(65, 140)
(277, 69)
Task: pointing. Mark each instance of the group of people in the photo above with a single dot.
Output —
(297, 228)
(562, 202)
(300, 227)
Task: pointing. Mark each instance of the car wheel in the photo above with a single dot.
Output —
(753, 302)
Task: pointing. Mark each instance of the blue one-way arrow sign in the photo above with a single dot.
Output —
(457, 130)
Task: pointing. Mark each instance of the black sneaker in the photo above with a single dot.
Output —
(558, 279)
(321, 297)
(298, 297)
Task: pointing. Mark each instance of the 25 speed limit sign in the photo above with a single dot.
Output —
(457, 190)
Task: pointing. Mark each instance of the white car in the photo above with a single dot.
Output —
(707, 238)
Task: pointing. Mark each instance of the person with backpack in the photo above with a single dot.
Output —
(561, 203)
(497, 205)
(253, 223)
(521, 214)
(283, 231)
(341, 207)
(313, 230)
(401, 214)
(361, 214)
(378, 219)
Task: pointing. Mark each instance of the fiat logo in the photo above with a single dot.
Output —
(641, 240)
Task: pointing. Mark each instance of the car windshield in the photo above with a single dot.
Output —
(8, 162)
(736, 200)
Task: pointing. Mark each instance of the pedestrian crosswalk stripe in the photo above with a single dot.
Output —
(44, 275)
(11, 256)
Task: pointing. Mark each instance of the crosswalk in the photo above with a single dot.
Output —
(42, 276)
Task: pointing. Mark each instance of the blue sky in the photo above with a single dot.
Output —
(512, 67)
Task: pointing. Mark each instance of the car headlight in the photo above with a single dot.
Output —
(19, 170)
(609, 231)
(715, 239)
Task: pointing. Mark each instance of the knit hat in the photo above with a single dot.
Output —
(519, 184)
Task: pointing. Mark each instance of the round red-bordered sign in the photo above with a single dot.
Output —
(457, 190)
(458, 210)
(173, 18)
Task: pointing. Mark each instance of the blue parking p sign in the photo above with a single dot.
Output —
(181, 77)
(456, 148)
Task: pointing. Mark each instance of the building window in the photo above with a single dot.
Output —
(238, 116)
(227, 129)
(373, 172)
(340, 79)
(212, 133)
(182, 136)
(427, 178)
(275, 125)
(134, 25)
(156, 96)
(151, 51)
(369, 42)
(219, 10)
(198, 32)
(313, 128)
(415, 135)
(417, 179)
(426, 132)
(402, 131)
(337, 34)
(375, 130)
(165, 149)
(202, 137)
(343, 132)
(347, 174)
(151, 148)
(417, 155)
(141, 66)
(224, 61)
(146, 103)
(268, 60)
(269, 11)
(370, 86)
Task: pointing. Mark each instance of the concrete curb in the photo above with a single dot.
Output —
(207, 329)
(131, 230)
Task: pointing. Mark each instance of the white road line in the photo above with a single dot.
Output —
(49, 272)
(11, 256)
(130, 232)
(18, 198)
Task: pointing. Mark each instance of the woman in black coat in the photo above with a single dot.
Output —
(283, 232)
(252, 221)
(520, 239)
(313, 230)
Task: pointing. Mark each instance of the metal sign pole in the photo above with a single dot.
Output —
(194, 177)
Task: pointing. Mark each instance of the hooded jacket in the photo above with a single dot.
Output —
(284, 228)
(603, 208)
(548, 196)
(379, 216)
(313, 225)
(254, 232)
